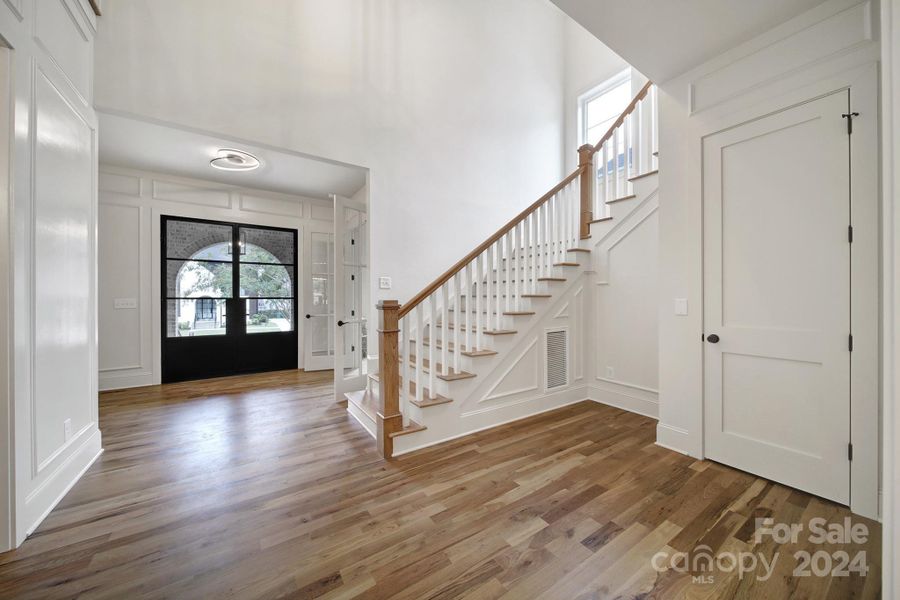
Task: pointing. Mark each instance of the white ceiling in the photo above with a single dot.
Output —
(141, 144)
(665, 38)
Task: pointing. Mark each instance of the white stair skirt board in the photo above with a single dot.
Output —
(362, 418)
(485, 421)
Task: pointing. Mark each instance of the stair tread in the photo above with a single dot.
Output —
(552, 279)
(484, 331)
(463, 351)
(510, 313)
(602, 219)
(413, 427)
(428, 399)
(578, 250)
(537, 295)
(622, 199)
(567, 264)
(642, 175)
(452, 375)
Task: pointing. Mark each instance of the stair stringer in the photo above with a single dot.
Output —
(480, 403)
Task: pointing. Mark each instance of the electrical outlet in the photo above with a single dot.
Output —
(384, 283)
(67, 429)
(610, 373)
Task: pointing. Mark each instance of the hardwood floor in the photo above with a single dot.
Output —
(262, 487)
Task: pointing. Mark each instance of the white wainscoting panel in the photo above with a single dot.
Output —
(60, 27)
(271, 206)
(63, 226)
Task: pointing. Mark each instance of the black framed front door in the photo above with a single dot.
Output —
(229, 298)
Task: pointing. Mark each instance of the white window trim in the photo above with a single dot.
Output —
(593, 93)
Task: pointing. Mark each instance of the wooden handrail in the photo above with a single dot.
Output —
(437, 283)
(628, 110)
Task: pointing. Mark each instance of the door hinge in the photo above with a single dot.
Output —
(850, 343)
(850, 451)
(352, 242)
(353, 278)
(849, 117)
(702, 337)
(850, 233)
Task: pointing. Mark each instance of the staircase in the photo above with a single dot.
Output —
(434, 347)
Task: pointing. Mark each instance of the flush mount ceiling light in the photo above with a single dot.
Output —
(228, 159)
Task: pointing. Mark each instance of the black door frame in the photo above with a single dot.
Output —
(236, 352)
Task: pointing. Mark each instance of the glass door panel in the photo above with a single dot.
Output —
(319, 304)
(267, 279)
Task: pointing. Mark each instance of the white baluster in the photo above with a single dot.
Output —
(497, 307)
(607, 188)
(544, 235)
(517, 267)
(654, 128)
(467, 287)
(420, 353)
(479, 292)
(617, 140)
(532, 249)
(445, 334)
(629, 134)
(432, 306)
(454, 291)
(491, 273)
(406, 368)
(507, 242)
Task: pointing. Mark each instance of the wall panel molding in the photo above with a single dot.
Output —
(794, 51)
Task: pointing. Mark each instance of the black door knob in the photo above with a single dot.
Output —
(308, 316)
(340, 323)
(712, 338)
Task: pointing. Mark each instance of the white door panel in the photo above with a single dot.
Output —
(351, 288)
(318, 340)
(776, 287)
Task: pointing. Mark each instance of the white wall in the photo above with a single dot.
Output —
(823, 49)
(456, 107)
(131, 203)
(53, 252)
(624, 351)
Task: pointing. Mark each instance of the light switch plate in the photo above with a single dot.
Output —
(681, 307)
(384, 283)
(120, 303)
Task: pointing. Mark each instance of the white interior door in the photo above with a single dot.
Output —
(319, 332)
(351, 290)
(777, 297)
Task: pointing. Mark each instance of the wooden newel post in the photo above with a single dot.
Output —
(389, 418)
(586, 160)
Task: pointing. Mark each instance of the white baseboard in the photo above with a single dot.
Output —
(122, 382)
(645, 405)
(673, 438)
(44, 499)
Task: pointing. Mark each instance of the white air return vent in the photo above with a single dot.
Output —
(557, 358)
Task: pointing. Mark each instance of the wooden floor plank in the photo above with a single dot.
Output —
(262, 486)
